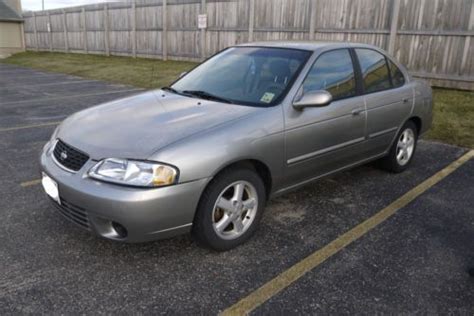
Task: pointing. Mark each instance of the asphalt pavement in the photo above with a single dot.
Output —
(414, 262)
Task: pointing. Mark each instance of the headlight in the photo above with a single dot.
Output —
(134, 172)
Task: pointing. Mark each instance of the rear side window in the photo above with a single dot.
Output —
(333, 71)
(397, 76)
(374, 69)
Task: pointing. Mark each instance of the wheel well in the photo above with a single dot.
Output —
(417, 121)
(262, 170)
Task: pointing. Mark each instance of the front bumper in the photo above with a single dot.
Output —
(146, 214)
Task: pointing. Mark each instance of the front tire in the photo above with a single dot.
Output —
(229, 210)
(403, 149)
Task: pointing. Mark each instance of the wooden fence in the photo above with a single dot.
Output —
(433, 38)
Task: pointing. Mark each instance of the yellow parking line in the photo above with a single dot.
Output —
(283, 280)
(30, 183)
(16, 128)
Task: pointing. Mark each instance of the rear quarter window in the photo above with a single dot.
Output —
(398, 79)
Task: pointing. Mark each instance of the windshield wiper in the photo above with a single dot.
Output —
(206, 95)
(170, 90)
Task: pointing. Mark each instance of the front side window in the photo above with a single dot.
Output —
(333, 71)
(374, 69)
(257, 76)
(398, 79)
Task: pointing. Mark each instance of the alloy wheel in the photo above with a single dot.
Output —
(405, 146)
(235, 210)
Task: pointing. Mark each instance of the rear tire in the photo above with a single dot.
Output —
(229, 210)
(403, 149)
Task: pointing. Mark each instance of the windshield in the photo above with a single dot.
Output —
(258, 76)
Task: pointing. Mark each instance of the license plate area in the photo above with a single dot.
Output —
(50, 187)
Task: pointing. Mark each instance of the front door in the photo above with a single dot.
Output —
(323, 139)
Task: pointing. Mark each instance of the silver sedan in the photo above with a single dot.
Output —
(254, 121)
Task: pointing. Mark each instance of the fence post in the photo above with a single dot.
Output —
(106, 30)
(134, 29)
(50, 32)
(66, 41)
(203, 31)
(251, 19)
(35, 31)
(84, 29)
(467, 41)
(164, 31)
(312, 19)
(393, 26)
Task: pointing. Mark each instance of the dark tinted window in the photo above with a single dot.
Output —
(374, 70)
(333, 72)
(397, 76)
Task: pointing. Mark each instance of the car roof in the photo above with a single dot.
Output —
(306, 45)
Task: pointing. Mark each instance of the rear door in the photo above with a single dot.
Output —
(388, 99)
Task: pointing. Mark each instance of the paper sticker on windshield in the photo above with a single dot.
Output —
(267, 97)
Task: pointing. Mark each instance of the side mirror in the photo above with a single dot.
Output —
(313, 99)
(181, 75)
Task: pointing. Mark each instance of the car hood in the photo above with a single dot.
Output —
(135, 127)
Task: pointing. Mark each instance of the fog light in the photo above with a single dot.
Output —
(119, 229)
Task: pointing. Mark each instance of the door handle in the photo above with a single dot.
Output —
(405, 100)
(357, 111)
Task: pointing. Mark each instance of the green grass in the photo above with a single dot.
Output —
(453, 117)
(139, 72)
(453, 121)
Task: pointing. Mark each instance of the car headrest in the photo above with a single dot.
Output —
(280, 71)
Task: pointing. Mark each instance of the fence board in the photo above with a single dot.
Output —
(433, 38)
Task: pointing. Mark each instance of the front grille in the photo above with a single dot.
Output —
(68, 156)
(74, 213)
